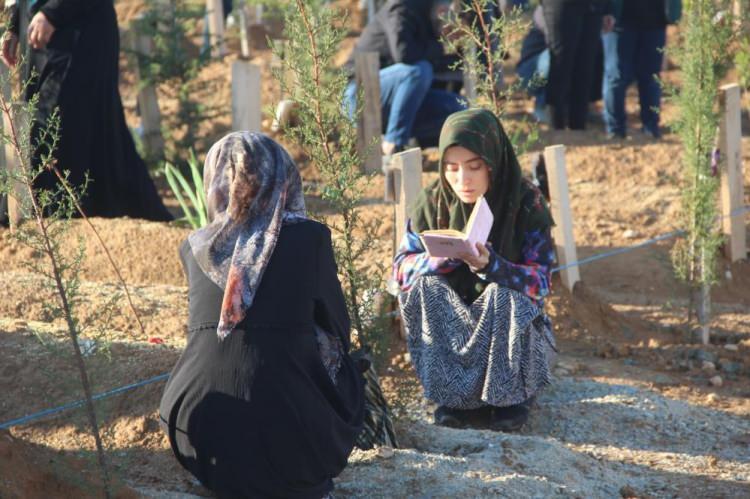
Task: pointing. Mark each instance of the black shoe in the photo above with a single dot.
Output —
(615, 135)
(446, 416)
(653, 133)
(510, 418)
(463, 418)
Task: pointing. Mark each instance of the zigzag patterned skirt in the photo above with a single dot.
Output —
(497, 351)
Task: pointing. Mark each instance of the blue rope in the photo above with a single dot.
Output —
(619, 251)
(122, 389)
(79, 403)
(677, 233)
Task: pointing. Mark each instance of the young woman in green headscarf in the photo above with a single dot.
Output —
(476, 329)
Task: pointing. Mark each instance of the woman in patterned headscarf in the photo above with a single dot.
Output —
(265, 401)
(478, 336)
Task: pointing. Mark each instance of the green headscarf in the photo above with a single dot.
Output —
(515, 203)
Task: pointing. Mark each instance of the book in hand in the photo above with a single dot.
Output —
(452, 243)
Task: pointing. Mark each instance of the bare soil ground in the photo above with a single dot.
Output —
(631, 412)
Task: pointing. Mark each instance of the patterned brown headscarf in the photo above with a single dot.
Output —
(252, 189)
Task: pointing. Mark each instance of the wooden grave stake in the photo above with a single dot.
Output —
(215, 15)
(562, 232)
(407, 178)
(10, 161)
(245, 96)
(730, 140)
(244, 33)
(147, 100)
(369, 125)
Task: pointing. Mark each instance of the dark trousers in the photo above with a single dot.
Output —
(632, 54)
(574, 28)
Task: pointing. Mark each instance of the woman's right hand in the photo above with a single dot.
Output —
(9, 54)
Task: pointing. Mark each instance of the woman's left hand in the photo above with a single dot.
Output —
(40, 31)
(477, 263)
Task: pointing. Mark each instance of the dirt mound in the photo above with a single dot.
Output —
(39, 472)
(146, 252)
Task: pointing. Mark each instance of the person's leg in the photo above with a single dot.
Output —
(350, 99)
(648, 60)
(403, 88)
(436, 107)
(618, 76)
(585, 47)
(565, 21)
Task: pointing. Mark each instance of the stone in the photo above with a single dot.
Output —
(731, 347)
(708, 367)
(630, 234)
(385, 452)
(716, 381)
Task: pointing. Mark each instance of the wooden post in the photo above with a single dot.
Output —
(369, 124)
(407, 178)
(244, 33)
(11, 163)
(245, 96)
(730, 140)
(215, 18)
(148, 102)
(554, 157)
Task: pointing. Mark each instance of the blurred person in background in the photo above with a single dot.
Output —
(72, 66)
(406, 35)
(573, 31)
(634, 51)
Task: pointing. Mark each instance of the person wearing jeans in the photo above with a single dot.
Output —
(406, 35)
(634, 51)
(411, 108)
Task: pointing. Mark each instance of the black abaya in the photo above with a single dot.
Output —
(256, 414)
(78, 73)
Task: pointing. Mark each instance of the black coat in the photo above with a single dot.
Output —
(256, 415)
(401, 32)
(78, 74)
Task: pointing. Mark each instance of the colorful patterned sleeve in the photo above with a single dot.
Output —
(532, 275)
(412, 261)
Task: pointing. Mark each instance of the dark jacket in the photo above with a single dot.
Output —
(649, 13)
(603, 7)
(257, 415)
(401, 32)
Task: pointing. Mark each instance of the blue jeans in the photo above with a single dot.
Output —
(410, 108)
(629, 55)
(533, 73)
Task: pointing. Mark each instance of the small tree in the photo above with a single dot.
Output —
(702, 57)
(51, 212)
(483, 38)
(327, 134)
